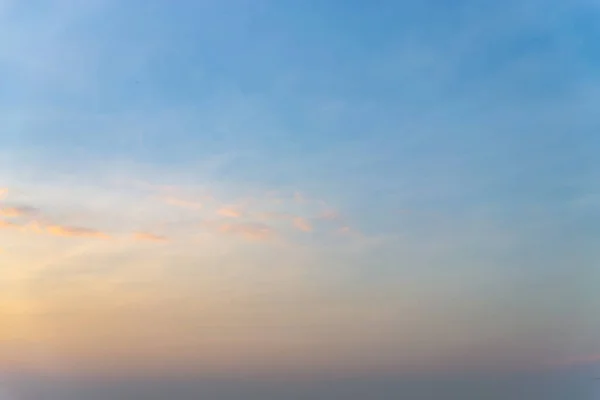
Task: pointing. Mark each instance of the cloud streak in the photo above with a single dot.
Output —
(76, 232)
(149, 237)
(330, 215)
(248, 230)
(38, 227)
(7, 224)
(17, 211)
(229, 212)
(302, 224)
(183, 203)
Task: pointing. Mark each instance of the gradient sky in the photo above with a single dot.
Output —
(298, 188)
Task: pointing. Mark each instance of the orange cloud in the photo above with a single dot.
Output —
(229, 212)
(13, 212)
(7, 224)
(71, 231)
(253, 231)
(192, 205)
(33, 226)
(149, 237)
(302, 224)
(55, 230)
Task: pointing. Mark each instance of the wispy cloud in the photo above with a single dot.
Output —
(149, 237)
(300, 197)
(275, 216)
(73, 231)
(17, 211)
(33, 227)
(249, 230)
(43, 227)
(330, 215)
(7, 224)
(345, 230)
(302, 224)
(183, 203)
(229, 212)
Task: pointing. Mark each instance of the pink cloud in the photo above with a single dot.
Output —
(72, 231)
(229, 212)
(149, 237)
(252, 231)
(54, 230)
(302, 224)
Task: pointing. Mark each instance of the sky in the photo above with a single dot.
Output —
(260, 191)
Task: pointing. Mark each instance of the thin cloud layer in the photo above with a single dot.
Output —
(249, 230)
(38, 227)
(330, 215)
(7, 224)
(73, 231)
(229, 212)
(17, 211)
(345, 230)
(261, 219)
(302, 224)
(183, 203)
(149, 237)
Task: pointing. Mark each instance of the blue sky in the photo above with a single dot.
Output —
(432, 163)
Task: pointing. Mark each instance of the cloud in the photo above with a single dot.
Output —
(72, 231)
(250, 230)
(275, 216)
(300, 198)
(54, 230)
(177, 202)
(33, 227)
(149, 237)
(330, 215)
(229, 212)
(3, 193)
(302, 224)
(345, 230)
(7, 224)
(18, 211)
